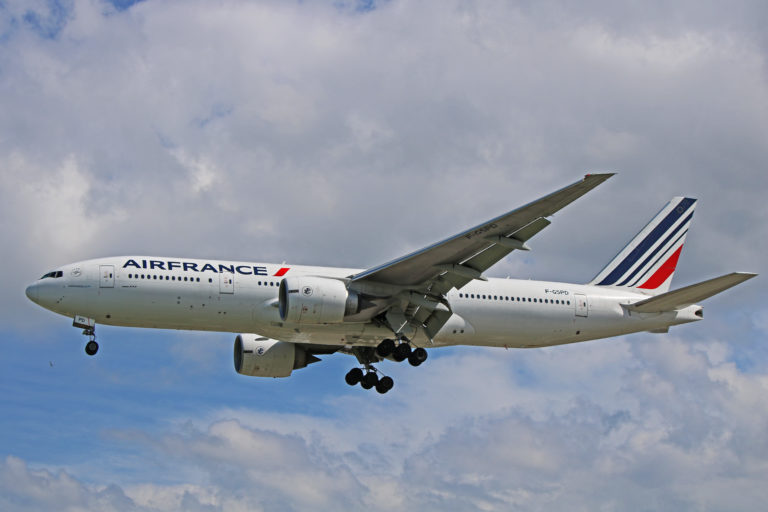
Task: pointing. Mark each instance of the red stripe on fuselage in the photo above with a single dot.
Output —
(663, 273)
(282, 271)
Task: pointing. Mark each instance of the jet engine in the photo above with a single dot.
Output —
(315, 300)
(257, 356)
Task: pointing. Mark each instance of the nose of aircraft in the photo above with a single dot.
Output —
(32, 292)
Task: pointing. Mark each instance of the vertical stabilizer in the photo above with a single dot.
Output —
(648, 262)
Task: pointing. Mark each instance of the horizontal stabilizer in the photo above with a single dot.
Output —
(690, 294)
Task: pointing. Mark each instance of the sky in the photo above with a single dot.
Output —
(349, 133)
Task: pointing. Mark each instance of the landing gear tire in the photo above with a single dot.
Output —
(385, 348)
(369, 380)
(401, 352)
(91, 348)
(354, 376)
(417, 357)
(385, 384)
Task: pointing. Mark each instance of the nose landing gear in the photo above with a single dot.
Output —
(91, 347)
(89, 329)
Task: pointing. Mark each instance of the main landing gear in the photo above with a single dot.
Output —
(368, 377)
(401, 352)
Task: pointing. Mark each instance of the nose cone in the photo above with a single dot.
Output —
(33, 292)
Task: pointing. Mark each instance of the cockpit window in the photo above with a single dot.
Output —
(55, 273)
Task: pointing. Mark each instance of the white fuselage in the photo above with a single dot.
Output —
(241, 297)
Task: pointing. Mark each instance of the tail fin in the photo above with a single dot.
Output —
(648, 262)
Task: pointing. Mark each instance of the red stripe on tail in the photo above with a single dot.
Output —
(663, 273)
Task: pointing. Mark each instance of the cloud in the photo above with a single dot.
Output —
(615, 435)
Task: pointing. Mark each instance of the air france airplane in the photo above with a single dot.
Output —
(287, 315)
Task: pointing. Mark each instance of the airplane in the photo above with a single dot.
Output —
(285, 316)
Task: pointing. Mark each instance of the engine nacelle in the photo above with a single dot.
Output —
(263, 357)
(315, 300)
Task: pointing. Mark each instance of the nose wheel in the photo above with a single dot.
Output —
(91, 348)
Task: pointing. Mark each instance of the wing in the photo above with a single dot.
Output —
(425, 276)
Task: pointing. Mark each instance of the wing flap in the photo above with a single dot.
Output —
(690, 294)
(488, 257)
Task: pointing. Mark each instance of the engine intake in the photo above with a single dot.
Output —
(315, 300)
(258, 356)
